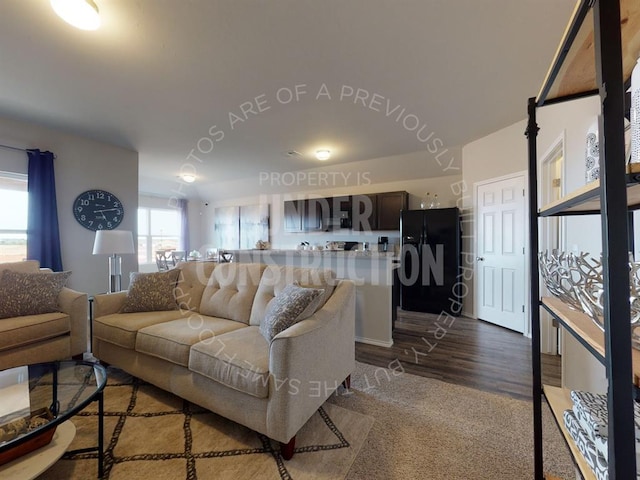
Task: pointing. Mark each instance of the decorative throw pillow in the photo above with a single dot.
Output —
(290, 306)
(151, 292)
(30, 293)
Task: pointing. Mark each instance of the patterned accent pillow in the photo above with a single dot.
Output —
(290, 306)
(151, 292)
(30, 293)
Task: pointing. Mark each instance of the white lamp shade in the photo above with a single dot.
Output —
(109, 242)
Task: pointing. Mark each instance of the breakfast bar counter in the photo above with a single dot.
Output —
(372, 271)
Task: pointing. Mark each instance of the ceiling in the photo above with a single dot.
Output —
(242, 82)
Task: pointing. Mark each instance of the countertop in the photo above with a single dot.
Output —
(342, 253)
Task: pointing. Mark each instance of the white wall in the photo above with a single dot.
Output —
(505, 152)
(81, 164)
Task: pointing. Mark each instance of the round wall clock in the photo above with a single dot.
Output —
(98, 210)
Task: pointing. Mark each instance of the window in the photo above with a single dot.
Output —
(13, 218)
(158, 229)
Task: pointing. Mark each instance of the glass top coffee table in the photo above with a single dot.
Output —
(36, 399)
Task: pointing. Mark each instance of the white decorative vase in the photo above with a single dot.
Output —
(592, 154)
(635, 114)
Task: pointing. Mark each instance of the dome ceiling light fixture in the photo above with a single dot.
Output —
(323, 154)
(82, 14)
(188, 177)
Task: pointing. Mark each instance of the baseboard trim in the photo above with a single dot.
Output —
(377, 343)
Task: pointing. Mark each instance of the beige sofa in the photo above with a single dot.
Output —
(212, 353)
(47, 336)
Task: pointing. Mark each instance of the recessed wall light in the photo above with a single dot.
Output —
(82, 14)
(323, 154)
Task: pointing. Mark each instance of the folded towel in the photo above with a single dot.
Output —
(591, 411)
(587, 445)
(596, 462)
(602, 446)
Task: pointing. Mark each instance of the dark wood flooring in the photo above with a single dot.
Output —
(463, 351)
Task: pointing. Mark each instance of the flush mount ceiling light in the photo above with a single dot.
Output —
(188, 177)
(82, 14)
(323, 154)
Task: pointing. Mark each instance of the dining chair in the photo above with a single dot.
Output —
(161, 260)
(178, 256)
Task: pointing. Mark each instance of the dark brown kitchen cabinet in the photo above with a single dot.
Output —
(364, 216)
(378, 211)
(364, 213)
(304, 215)
(293, 213)
(313, 213)
(389, 206)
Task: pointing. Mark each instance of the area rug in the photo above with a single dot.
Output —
(428, 429)
(423, 429)
(152, 434)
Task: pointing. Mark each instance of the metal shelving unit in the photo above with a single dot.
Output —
(596, 56)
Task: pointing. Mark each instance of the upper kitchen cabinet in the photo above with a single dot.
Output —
(364, 213)
(338, 214)
(305, 215)
(315, 210)
(364, 210)
(389, 206)
(378, 211)
(293, 212)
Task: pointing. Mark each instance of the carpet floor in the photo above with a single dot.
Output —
(391, 425)
(427, 429)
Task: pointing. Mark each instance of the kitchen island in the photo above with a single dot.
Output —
(373, 273)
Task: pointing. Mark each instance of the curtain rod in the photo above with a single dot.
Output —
(13, 148)
(20, 149)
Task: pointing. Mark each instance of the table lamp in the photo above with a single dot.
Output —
(114, 243)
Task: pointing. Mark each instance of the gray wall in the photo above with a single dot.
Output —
(81, 164)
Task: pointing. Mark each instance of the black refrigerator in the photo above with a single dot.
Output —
(430, 261)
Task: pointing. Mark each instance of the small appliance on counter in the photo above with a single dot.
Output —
(351, 245)
(383, 244)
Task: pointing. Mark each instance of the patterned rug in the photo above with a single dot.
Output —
(152, 434)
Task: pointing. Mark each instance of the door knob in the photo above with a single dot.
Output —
(480, 259)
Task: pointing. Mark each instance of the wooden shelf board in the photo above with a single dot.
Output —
(559, 400)
(587, 197)
(590, 190)
(577, 75)
(582, 326)
(577, 322)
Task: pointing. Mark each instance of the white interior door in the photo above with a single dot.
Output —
(500, 260)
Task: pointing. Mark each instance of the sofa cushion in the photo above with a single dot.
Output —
(30, 293)
(26, 266)
(276, 278)
(20, 331)
(151, 292)
(239, 360)
(193, 278)
(121, 328)
(291, 305)
(172, 340)
(231, 290)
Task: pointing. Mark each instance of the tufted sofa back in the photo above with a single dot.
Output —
(192, 281)
(231, 290)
